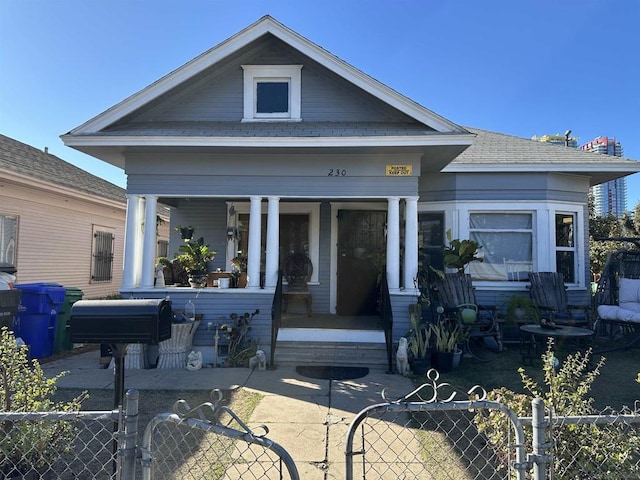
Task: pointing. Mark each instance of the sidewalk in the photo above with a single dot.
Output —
(308, 417)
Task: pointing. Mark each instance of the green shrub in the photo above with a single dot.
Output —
(29, 444)
(579, 451)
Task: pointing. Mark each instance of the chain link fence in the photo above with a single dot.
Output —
(427, 434)
(613, 450)
(61, 445)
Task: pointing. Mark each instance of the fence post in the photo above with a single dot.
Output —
(539, 444)
(128, 444)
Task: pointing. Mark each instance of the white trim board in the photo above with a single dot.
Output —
(330, 335)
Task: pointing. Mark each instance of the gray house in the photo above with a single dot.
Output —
(270, 146)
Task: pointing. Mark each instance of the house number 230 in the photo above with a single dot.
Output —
(337, 172)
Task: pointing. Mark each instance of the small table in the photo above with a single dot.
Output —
(528, 346)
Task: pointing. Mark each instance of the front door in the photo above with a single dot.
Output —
(361, 260)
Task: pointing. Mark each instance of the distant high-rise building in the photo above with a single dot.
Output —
(609, 197)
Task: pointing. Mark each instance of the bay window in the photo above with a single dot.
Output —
(516, 239)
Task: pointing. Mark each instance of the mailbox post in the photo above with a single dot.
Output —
(118, 323)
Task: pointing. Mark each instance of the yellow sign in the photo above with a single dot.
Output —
(399, 170)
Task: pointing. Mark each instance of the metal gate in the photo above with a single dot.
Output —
(210, 441)
(422, 436)
(428, 434)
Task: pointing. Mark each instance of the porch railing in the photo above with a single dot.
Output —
(276, 317)
(387, 320)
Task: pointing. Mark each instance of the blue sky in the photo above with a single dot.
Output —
(523, 67)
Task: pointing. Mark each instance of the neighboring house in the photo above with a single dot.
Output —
(58, 223)
(270, 145)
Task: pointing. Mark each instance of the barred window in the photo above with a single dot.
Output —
(102, 266)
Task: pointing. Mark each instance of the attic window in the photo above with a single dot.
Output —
(271, 92)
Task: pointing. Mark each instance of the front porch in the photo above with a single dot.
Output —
(336, 339)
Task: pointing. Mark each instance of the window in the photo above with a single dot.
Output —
(272, 97)
(518, 239)
(565, 246)
(507, 245)
(294, 235)
(8, 236)
(299, 232)
(102, 265)
(271, 92)
(163, 248)
(431, 239)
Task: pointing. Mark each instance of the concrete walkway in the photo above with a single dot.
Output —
(308, 417)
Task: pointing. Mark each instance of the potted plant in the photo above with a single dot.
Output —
(239, 270)
(29, 448)
(447, 338)
(459, 253)
(240, 350)
(419, 341)
(520, 310)
(193, 256)
(186, 232)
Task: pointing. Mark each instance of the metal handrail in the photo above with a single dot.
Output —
(386, 314)
(276, 317)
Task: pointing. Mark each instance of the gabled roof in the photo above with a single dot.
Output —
(497, 152)
(266, 25)
(28, 162)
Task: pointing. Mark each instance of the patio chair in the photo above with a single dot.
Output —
(457, 296)
(297, 272)
(618, 309)
(549, 292)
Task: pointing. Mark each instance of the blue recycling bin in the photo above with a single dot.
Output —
(37, 315)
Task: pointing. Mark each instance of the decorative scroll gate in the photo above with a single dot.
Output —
(441, 439)
(431, 440)
(198, 443)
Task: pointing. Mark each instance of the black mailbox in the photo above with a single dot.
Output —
(120, 321)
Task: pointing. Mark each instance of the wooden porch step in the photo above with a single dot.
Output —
(331, 353)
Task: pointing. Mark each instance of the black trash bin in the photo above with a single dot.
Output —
(9, 299)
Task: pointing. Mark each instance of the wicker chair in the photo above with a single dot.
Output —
(621, 264)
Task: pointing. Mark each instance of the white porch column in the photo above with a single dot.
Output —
(149, 242)
(255, 241)
(411, 243)
(393, 243)
(273, 242)
(131, 257)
